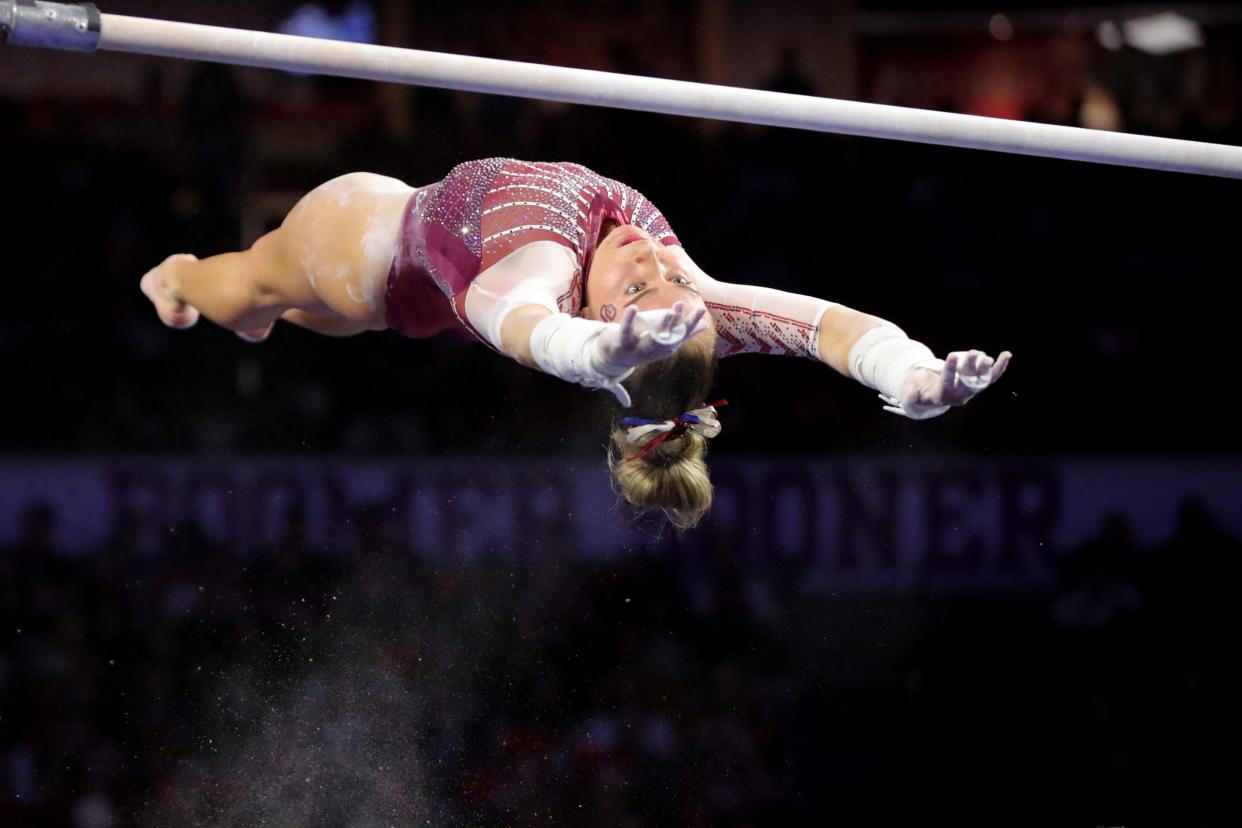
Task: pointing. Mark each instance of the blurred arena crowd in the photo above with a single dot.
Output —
(192, 687)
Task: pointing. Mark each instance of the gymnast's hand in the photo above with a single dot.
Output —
(648, 336)
(926, 392)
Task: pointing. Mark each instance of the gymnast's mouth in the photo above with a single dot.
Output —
(630, 237)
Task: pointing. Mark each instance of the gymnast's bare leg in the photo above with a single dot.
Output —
(325, 268)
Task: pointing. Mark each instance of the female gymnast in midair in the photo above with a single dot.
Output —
(565, 271)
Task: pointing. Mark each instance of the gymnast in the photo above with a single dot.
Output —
(565, 271)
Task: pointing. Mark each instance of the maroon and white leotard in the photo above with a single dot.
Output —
(499, 233)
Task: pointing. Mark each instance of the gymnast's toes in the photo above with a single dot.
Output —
(256, 335)
(172, 312)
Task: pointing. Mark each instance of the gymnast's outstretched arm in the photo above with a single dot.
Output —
(910, 379)
(872, 350)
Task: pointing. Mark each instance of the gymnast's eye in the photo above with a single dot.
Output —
(634, 288)
(679, 279)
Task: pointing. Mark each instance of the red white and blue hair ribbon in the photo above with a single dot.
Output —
(652, 433)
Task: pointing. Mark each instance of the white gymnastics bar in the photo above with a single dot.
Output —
(83, 28)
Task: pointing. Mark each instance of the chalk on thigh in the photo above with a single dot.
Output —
(342, 237)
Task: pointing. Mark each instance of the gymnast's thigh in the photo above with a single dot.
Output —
(341, 239)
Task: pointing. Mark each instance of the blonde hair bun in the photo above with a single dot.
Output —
(672, 477)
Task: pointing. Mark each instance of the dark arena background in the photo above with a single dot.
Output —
(385, 582)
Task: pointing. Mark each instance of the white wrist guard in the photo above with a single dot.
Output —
(565, 346)
(881, 359)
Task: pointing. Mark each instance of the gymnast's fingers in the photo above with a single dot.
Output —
(1002, 362)
(949, 380)
(673, 319)
(697, 323)
(628, 337)
(969, 364)
(957, 389)
(985, 367)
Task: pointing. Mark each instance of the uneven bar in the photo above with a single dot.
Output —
(581, 86)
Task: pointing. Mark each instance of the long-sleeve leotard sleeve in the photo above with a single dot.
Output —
(537, 273)
(759, 320)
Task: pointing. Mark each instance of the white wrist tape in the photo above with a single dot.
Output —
(882, 357)
(565, 346)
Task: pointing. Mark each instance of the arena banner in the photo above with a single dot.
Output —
(863, 523)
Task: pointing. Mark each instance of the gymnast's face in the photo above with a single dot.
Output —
(631, 267)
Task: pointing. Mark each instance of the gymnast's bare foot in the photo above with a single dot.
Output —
(258, 334)
(172, 312)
